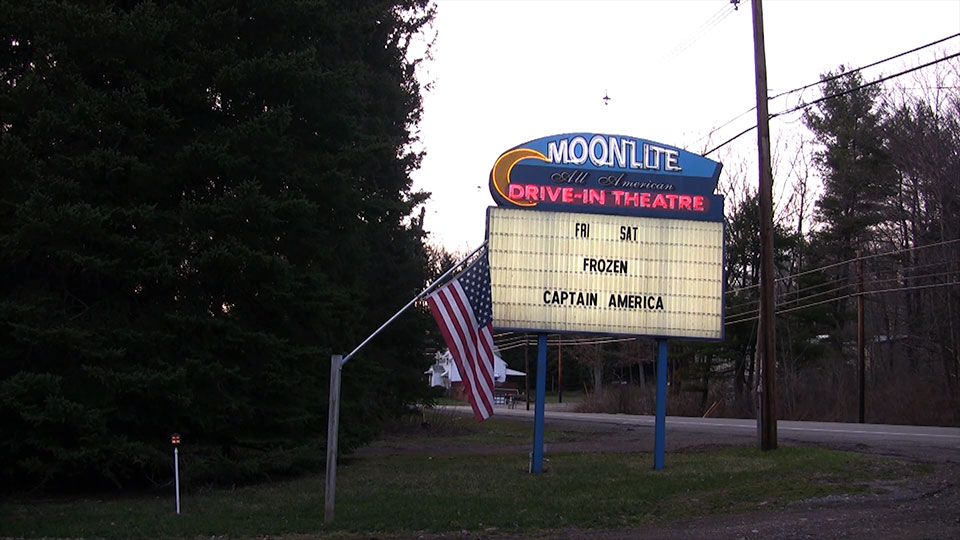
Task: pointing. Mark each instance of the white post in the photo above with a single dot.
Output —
(176, 476)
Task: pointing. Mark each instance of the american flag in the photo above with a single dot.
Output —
(464, 312)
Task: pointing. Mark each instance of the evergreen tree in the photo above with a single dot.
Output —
(202, 201)
(856, 171)
(854, 164)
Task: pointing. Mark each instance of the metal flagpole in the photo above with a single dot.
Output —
(333, 434)
(333, 413)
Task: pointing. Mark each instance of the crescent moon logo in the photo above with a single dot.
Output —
(500, 175)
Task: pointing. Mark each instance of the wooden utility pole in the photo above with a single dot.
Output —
(861, 362)
(766, 337)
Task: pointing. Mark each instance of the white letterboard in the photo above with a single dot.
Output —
(598, 273)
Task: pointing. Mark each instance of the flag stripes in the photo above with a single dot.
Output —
(470, 341)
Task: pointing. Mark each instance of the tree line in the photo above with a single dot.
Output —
(201, 203)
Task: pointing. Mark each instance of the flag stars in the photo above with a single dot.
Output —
(476, 284)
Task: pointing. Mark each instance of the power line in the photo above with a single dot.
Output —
(855, 259)
(752, 311)
(878, 62)
(738, 316)
(901, 269)
(878, 81)
(874, 256)
(797, 291)
(884, 291)
(828, 79)
(902, 278)
(783, 297)
(707, 25)
(832, 96)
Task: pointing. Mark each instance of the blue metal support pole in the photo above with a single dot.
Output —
(661, 422)
(537, 463)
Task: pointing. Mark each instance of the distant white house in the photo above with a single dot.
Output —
(444, 371)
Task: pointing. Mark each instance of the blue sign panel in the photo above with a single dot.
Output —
(607, 174)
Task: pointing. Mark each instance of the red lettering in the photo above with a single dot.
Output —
(642, 199)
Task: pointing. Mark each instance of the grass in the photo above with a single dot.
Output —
(455, 430)
(380, 495)
(570, 396)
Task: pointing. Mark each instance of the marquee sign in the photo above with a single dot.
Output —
(607, 174)
(577, 272)
(626, 238)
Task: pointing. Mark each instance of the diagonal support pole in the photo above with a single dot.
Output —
(333, 412)
(423, 293)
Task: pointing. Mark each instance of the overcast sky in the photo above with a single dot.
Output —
(504, 73)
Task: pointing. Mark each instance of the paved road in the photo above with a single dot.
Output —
(922, 442)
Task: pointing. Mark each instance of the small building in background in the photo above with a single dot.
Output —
(444, 373)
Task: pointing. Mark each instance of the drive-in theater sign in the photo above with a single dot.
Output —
(606, 234)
